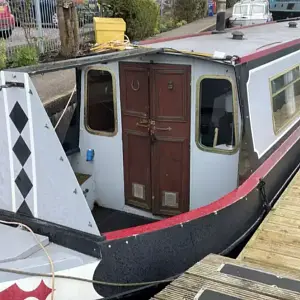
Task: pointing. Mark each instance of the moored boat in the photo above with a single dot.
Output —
(174, 151)
(250, 12)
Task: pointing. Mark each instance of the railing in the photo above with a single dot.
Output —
(294, 1)
(24, 21)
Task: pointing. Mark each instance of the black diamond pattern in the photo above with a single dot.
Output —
(23, 183)
(21, 150)
(25, 210)
(18, 117)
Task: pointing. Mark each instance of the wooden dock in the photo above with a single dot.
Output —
(267, 268)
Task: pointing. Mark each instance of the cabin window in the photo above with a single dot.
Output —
(216, 115)
(285, 91)
(100, 106)
(257, 9)
(241, 9)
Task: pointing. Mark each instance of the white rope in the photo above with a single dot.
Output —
(65, 109)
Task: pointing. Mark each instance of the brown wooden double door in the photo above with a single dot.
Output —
(156, 136)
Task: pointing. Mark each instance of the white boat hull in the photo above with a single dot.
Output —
(246, 22)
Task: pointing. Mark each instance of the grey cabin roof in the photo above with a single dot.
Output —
(255, 38)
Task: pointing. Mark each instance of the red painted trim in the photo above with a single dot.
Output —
(268, 51)
(223, 202)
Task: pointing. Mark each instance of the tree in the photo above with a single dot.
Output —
(189, 10)
(68, 27)
(141, 16)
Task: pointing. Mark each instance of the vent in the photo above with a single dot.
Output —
(237, 35)
(292, 24)
(170, 199)
(138, 191)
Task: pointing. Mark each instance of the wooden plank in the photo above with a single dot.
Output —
(277, 219)
(279, 237)
(174, 293)
(286, 213)
(282, 228)
(287, 272)
(209, 269)
(279, 247)
(273, 259)
(289, 206)
(289, 199)
(261, 267)
(196, 283)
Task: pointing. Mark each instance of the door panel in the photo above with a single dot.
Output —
(137, 166)
(136, 142)
(156, 136)
(170, 110)
(170, 180)
(169, 94)
(135, 89)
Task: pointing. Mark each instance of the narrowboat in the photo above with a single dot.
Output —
(169, 151)
(283, 9)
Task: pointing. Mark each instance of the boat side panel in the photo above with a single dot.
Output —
(260, 103)
(243, 72)
(164, 253)
(170, 251)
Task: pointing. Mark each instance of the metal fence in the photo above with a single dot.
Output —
(36, 21)
(165, 5)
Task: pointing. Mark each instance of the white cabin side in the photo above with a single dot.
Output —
(284, 100)
(213, 172)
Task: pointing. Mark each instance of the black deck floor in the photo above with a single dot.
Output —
(109, 219)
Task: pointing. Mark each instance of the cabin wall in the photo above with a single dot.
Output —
(107, 167)
(260, 103)
(212, 175)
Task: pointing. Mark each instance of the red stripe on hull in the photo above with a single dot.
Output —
(223, 202)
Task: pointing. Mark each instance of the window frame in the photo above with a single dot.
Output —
(297, 114)
(240, 6)
(87, 127)
(235, 116)
(260, 5)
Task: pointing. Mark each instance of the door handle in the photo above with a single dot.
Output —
(163, 129)
(142, 125)
(152, 136)
(143, 121)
